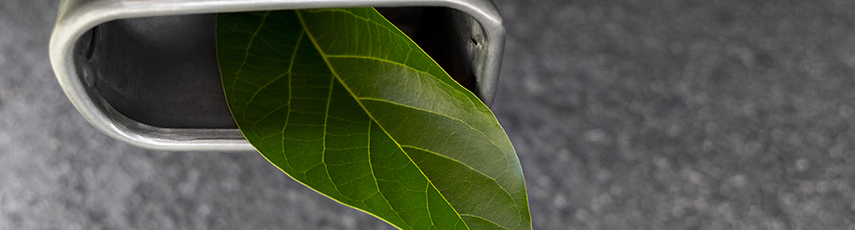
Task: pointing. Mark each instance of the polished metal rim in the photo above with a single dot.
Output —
(76, 17)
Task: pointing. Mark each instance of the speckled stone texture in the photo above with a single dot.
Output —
(654, 114)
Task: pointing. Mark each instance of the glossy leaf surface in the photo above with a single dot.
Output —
(345, 103)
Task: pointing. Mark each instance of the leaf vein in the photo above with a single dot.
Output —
(290, 67)
(390, 62)
(473, 169)
(336, 76)
(482, 218)
(255, 34)
(437, 113)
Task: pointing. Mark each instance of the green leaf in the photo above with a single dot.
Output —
(345, 103)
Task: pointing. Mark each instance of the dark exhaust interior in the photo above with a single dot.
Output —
(162, 71)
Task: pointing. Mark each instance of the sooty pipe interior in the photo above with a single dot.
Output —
(162, 71)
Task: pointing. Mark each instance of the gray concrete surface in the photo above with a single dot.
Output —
(664, 114)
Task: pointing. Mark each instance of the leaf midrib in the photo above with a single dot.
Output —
(337, 77)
